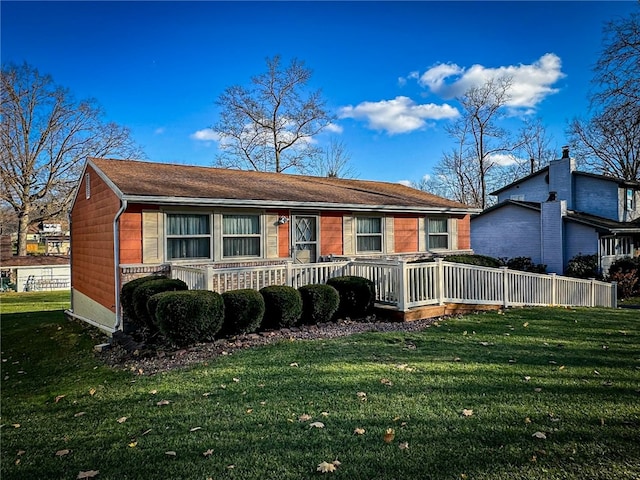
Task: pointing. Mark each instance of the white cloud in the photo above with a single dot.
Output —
(159, 131)
(406, 183)
(503, 159)
(205, 135)
(530, 83)
(400, 115)
(334, 128)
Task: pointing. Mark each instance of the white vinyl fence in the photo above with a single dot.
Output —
(407, 285)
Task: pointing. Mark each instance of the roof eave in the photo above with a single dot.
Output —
(226, 202)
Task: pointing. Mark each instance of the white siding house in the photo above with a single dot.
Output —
(557, 213)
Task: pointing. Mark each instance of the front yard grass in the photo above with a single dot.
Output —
(466, 398)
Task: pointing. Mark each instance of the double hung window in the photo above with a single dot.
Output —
(240, 236)
(188, 236)
(369, 234)
(438, 234)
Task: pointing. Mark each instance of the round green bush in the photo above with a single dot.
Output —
(243, 311)
(142, 294)
(186, 317)
(357, 295)
(319, 303)
(126, 297)
(583, 266)
(283, 306)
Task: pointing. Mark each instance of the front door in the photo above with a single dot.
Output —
(305, 239)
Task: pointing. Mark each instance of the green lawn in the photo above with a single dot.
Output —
(572, 376)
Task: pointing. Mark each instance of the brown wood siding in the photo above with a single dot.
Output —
(331, 233)
(92, 241)
(405, 233)
(283, 235)
(464, 232)
(131, 233)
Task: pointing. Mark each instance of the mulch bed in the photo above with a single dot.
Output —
(125, 354)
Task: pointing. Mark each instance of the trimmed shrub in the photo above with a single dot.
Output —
(243, 311)
(525, 264)
(283, 306)
(142, 294)
(480, 260)
(126, 297)
(357, 295)
(626, 272)
(319, 303)
(189, 316)
(583, 266)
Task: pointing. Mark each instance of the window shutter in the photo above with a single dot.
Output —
(152, 237)
(347, 235)
(388, 244)
(422, 235)
(453, 233)
(272, 236)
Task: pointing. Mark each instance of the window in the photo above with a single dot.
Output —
(188, 236)
(369, 234)
(241, 236)
(438, 235)
(629, 199)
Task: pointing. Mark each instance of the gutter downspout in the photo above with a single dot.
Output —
(70, 259)
(116, 261)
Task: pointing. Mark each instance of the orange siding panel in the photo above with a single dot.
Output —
(92, 241)
(405, 234)
(464, 233)
(331, 233)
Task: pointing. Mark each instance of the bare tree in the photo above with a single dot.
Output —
(479, 138)
(610, 139)
(45, 136)
(333, 161)
(534, 151)
(269, 126)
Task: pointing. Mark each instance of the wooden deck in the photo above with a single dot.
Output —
(430, 311)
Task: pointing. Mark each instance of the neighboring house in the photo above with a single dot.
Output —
(151, 215)
(557, 213)
(36, 273)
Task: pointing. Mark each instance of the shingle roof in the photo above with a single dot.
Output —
(154, 180)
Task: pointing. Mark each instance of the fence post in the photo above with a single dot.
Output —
(614, 294)
(440, 273)
(592, 292)
(208, 277)
(289, 273)
(505, 286)
(403, 291)
(553, 289)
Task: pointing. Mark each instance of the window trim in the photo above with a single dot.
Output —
(380, 234)
(629, 199)
(168, 237)
(446, 234)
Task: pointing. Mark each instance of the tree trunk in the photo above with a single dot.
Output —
(23, 228)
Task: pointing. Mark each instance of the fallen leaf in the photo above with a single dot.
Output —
(153, 392)
(195, 429)
(236, 380)
(389, 435)
(539, 435)
(133, 444)
(596, 372)
(403, 446)
(163, 402)
(20, 452)
(324, 414)
(607, 384)
(362, 396)
(294, 364)
(145, 432)
(79, 414)
(326, 467)
(525, 324)
(359, 431)
(527, 420)
(537, 389)
(317, 425)
(249, 410)
(208, 453)
(386, 381)
(171, 453)
(62, 453)
(122, 420)
(304, 418)
(527, 378)
(467, 412)
(15, 425)
(92, 391)
(59, 397)
(561, 367)
(88, 474)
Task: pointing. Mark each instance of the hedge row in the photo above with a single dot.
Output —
(156, 304)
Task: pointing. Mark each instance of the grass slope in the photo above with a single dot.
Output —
(573, 375)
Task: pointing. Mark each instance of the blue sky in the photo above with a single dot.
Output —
(389, 70)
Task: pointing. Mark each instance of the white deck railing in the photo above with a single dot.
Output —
(407, 285)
